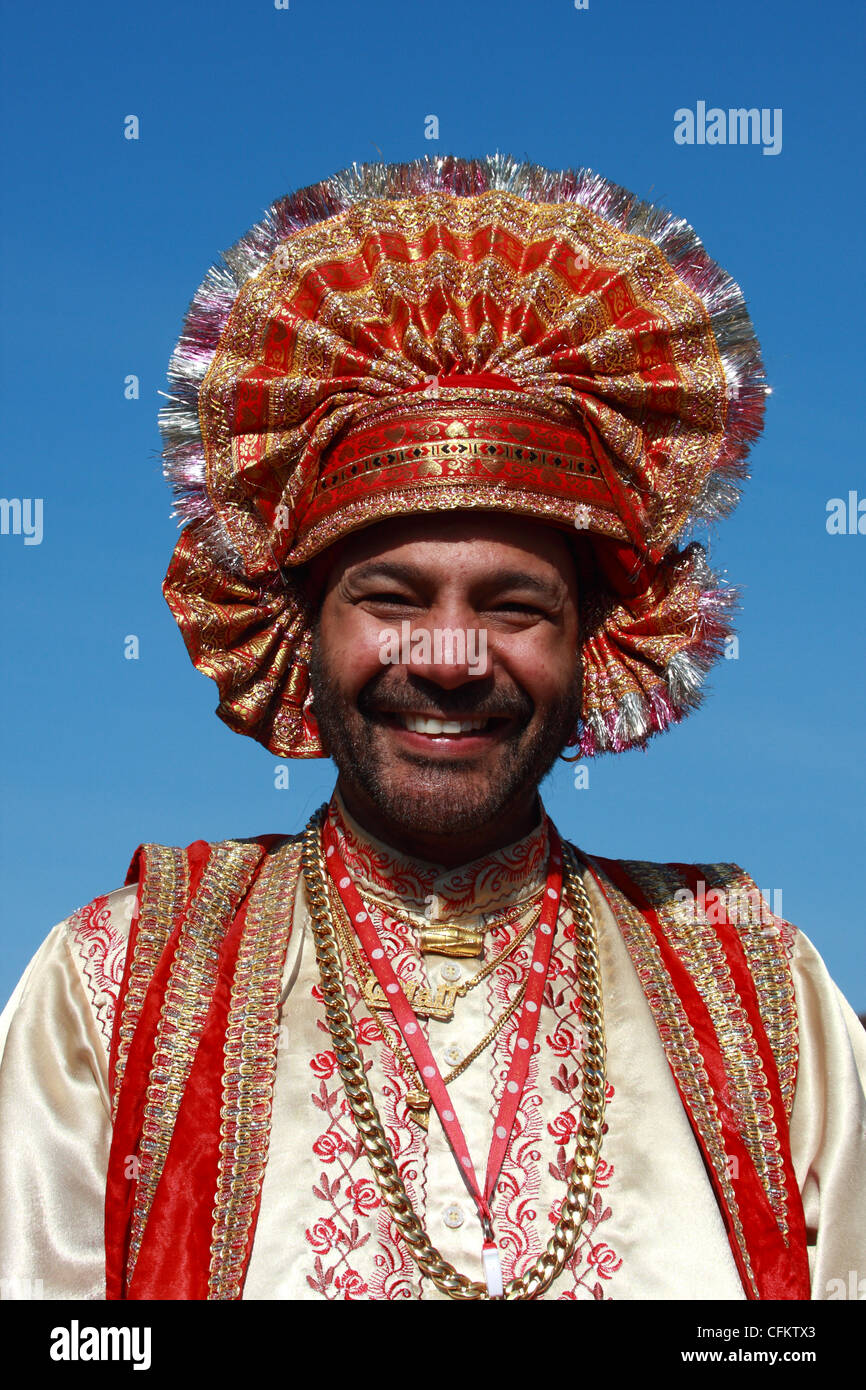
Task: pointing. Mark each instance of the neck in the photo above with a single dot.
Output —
(434, 847)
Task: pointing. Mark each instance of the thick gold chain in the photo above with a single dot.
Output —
(338, 1012)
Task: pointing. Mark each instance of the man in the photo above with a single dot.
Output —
(436, 431)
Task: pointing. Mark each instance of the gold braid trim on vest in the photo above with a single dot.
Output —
(695, 906)
(213, 929)
(162, 897)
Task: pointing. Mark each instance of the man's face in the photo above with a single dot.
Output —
(446, 674)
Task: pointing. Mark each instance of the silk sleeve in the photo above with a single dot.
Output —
(55, 1124)
(828, 1128)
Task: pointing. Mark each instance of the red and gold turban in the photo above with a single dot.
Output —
(450, 334)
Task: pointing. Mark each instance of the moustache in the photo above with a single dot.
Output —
(475, 700)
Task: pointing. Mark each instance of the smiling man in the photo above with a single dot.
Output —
(437, 432)
(443, 757)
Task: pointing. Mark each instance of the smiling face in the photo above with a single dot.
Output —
(446, 677)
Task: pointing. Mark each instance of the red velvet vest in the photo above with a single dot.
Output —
(193, 1057)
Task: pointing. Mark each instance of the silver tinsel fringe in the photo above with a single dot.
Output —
(640, 715)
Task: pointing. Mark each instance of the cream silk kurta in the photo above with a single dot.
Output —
(653, 1229)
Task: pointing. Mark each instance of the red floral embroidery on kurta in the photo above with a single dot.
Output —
(100, 952)
(355, 1211)
(516, 1209)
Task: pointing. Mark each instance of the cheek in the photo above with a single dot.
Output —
(351, 647)
(543, 661)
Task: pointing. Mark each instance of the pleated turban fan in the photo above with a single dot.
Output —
(452, 334)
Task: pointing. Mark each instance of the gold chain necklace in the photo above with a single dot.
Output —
(449, 938)
(338, 1013)
(441, 1005)
(418, 1097)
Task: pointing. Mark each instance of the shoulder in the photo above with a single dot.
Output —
(719, 894)
(250, 848)
(96, 937)
(79, 966)
(196, 890)
(171, 876)
(89, 948)
(192, 894)
(95, 940)
(708, 927)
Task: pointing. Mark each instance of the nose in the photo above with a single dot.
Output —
(449, 648)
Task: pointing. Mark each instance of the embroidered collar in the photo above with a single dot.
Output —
(484, 886)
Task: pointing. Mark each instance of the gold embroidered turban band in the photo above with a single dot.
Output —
(449, 334)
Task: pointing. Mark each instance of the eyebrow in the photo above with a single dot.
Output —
(383, 569)
(519, 579)
(504, 579)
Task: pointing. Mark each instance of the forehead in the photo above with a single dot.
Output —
(471, 542)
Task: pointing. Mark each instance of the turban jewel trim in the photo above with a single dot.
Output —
(446, 334)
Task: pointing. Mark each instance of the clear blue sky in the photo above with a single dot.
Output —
(104, 242)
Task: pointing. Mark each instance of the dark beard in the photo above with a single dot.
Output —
(439, 796)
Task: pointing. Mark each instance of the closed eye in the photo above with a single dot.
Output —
(403, 600)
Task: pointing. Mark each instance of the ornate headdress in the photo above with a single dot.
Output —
(447, 334)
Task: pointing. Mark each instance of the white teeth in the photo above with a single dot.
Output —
(420, 724)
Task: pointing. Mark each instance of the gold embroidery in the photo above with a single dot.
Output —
(489, 454)
(680, 1046)
(765, 949)
(250, 1066)
(184, 1009)
(697, 945)
(445, 496)
(163, 894)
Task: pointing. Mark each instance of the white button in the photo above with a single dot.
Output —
(453, 1216)
(453, 1055)
(451, 972)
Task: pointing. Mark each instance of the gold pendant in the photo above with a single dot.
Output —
(418, 1105)
(451, 941)
(419, 996)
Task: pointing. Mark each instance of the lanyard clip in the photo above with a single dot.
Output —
(490, 1261)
